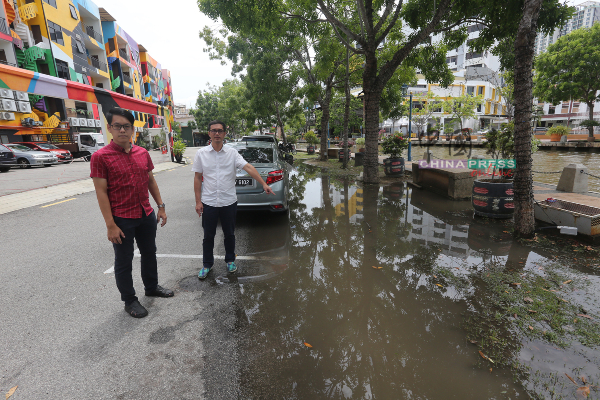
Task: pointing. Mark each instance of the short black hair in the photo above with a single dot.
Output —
(217, 122)
(119, 111)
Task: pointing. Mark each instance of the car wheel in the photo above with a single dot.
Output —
(47, 165)
(4, 169)
(23, 163)
(87, 158)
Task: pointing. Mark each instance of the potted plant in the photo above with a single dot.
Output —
(360, 143)
(492, 197)
(178, 149)
(587, 124)
(393, 146)
(556, 132)
(312, 140)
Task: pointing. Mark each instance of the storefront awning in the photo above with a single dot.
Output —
(25, 132)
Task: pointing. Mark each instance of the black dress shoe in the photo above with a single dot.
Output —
(136, 310)
(160, 291)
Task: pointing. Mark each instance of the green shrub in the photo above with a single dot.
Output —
(178, 148)
(394, 145)
(311, 138)
(558, 130)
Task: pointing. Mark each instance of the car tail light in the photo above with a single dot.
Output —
(277, 206)
(275, 176)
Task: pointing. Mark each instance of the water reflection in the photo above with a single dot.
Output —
(359, 313)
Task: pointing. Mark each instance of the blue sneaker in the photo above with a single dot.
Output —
(231, 268)
(203, 273)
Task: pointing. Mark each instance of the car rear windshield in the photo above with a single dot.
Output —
(20, 147)
(2, 148)
(47, 146)
(257, 155)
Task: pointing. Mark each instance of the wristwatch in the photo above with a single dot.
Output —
(161, 205)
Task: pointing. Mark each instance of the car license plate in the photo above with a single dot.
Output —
(243, 182)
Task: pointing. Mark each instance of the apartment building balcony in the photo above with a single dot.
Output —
(123, 53)
(8, 63)
(28, 11)
(93, 34)
(4, 26)
(98, 64)
(127, 78)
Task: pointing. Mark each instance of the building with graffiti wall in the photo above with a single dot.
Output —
(63, 64)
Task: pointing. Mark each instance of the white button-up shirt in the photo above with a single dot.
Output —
(218, 168)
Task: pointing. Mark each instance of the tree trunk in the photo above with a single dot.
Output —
(372, 98)
(346, 111)
(523, 182)
(325, 102)
(590, 106)
(280, 123)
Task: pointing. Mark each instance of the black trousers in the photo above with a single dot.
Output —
(143, 230)
(210, 217)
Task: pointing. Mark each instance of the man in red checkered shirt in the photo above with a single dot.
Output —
(122, 175)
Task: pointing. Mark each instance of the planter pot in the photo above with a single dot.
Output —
(362, 150)
(359, 159)
(555, 138)
(393, 166)
(178, 157)
(493, 198)
(341, 155)
(310, 149)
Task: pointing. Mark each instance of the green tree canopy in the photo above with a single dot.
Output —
(570, 69)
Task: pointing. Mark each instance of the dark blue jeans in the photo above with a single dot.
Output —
(144, 231)
(210, 216)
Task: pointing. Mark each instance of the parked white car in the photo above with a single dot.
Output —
(26, 157)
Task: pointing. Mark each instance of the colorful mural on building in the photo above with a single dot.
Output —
(68, 60)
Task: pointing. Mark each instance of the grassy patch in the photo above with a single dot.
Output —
(520, 304)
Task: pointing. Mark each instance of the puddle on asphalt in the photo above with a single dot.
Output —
(388, 293)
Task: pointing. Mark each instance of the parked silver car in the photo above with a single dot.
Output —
(273, 166)
(27, 157)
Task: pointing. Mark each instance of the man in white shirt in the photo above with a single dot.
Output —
(214, 187)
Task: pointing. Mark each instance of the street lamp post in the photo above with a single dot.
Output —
(404, 90)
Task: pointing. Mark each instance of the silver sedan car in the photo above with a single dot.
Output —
(27, 157)
(273, 166)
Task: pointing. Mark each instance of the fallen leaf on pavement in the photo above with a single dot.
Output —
(583, 379)
(482, 355)
(439, 285)
(528, 300)
(307, 345)
(473, 341)
(569, 281)
(435, 276)
(530, 327)
(584, 316)
(11, 392)
(572, 380)
(583, 392)
(533, 311)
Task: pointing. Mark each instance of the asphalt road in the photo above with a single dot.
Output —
(18, 180)
(63, 331)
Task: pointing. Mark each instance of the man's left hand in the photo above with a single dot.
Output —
(162, 214)
(268, 189)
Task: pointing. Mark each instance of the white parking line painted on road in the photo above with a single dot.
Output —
(199, 256)
(53, 204)
(110, 270)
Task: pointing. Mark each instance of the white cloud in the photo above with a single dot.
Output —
(169, 31)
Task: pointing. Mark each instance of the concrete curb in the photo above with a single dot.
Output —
(36, 197)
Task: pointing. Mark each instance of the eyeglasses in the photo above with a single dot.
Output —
(118, 127)
(219, 131)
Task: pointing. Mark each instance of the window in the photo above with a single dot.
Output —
(479, 108)
(470, 56)
(551, 110)
(451, 59)
(55, 33)
(480, 90)
(257, 155)
(51, 2)
(62, 70)
(100, 85)
(79, 46)
(471, 90)
(73, 11)
(475, 28)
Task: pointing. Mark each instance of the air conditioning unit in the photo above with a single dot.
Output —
(82, 121)
(91, 123)
(7, 94)
(23, 106)
(8, 105)
(74, 121)
(6, 116)
(98, 123)
(21, 96)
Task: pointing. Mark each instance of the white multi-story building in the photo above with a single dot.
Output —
(586, 15)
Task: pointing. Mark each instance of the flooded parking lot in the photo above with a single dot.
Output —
(381, 292)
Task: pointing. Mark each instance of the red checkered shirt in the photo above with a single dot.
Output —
(127, 177)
